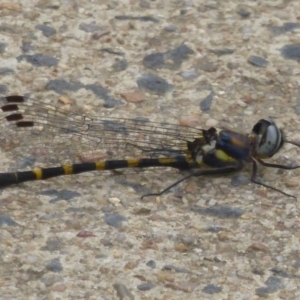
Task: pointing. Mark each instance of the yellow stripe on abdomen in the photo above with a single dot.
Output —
(100, 165)
(38, 173)
(68, 169)
(166, 160)
(133, 163)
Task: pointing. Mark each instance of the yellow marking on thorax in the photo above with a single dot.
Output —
(38, 173)
(221, 155)
(68, 169)
(237, 142)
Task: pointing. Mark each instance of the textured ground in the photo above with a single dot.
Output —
(198, 62)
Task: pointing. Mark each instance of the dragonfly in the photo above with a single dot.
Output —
(74, 143)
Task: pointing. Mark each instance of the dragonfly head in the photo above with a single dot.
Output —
(269, 138)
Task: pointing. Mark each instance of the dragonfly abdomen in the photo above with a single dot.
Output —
(6, 179)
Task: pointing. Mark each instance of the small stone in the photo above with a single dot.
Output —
(151, 263)
(114, 220)
(240, 179)
(212, 202)
(10, 6)
(281, 273)
(257, 246)
(7, 221)
(91, 27)
(187, 286)
(258, 271)
(134, 97)
(190, 74)
(120, 65)
(279, 258)
(146, 286)
(291, 182)
(180, 247)
(206, 103)
(154, 60)
(187, 240)
(85, 234)
(190, 120)
(243, 13)
(257, 61)
(154, 84)
(46, 30)
(123, 292)
(223, 236)
(223, 51)
(115, 201)
(131, 265)
(60, 288)
(286, 27)
(144, 4)
(149, 244)
(241, 103)
(54, 265)
(273, 284)
(39, 60)
(31, 259)
(211, 123)
(120, 238)
(191, 187)
(117, 254)
(100, 33)
(73, 224)
(211, 289)
(54, 244)
(5, 71)
(207, 65)
(65, 100)
(170, 28)
(2, 47)
(49, 279)
(176, 269)
(233, 65)
(220, 211)
(179, 54)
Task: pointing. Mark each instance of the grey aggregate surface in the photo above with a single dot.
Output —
(201, 63)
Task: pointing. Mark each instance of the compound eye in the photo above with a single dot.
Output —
(271, 140)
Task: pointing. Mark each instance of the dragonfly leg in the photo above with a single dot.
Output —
(269, 165)
(257, 181)
(168, 188)
(218, 171)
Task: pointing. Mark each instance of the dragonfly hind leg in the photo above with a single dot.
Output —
(219, 171)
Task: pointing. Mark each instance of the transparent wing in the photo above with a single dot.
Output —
(53, 135)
